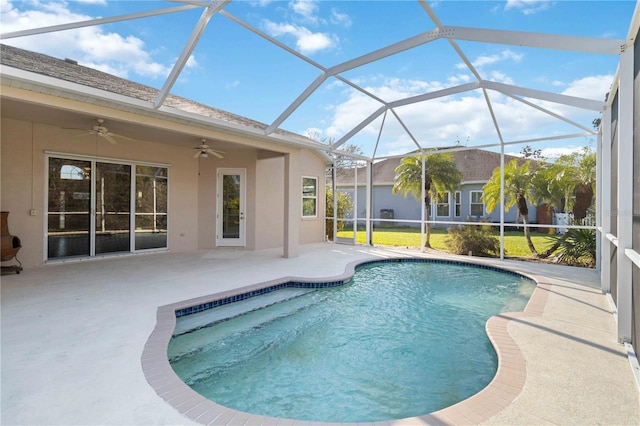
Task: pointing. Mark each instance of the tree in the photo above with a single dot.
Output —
(583, 166)
(344, 206)
(518, 189)
(338, 159)
(441, 174)
(527, 152)
(569, 183)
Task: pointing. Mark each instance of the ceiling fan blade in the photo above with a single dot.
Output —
(84, 133)
(197, 154)
(122, 136)
(108, 137)
(218, 154)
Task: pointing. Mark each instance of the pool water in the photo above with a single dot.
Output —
(401, 340)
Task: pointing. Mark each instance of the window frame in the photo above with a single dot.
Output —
(310, 197)
(457, 204)
(472, 204)
(448, 203)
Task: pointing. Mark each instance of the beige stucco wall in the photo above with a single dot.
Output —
(270, 201)
(192, 186)
(311, 165)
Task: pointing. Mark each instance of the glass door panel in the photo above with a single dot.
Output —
(69, 208)
(113, 208)
(231, 224)
(151, 207)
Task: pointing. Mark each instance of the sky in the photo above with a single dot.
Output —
(236, 70)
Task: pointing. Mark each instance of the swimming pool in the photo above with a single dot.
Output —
(401, 339)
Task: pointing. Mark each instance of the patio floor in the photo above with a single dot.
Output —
(73, 335)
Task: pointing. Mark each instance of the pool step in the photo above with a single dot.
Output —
(193, 322)
(233, 340)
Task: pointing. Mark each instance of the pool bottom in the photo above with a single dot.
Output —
(491, 400)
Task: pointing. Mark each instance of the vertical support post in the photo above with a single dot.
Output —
(292, 205)
(502, 201)
(355, 203)
(424, 207)
(603, 192)
(625, 195)
(369, 202)
(598, 203)
(334, 188)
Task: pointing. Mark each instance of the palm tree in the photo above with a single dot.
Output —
(441, 174)
(518, 189)
(569, 182)
(583, 165)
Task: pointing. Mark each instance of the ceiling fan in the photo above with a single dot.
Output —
(101, 130)
(204, 150)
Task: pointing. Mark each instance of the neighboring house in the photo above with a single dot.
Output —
(465, 204)
(80, 188)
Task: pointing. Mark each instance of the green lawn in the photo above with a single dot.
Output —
(514, 241)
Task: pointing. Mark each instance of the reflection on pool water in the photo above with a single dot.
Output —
(401, 340)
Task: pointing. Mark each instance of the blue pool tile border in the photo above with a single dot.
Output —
(297, 283)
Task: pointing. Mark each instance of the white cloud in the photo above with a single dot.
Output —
(505, 55)
(305, 8)
(90, 46)
(340, 18)
(500, 77)
(192, 62)
(232, 85)
(307, 42)
(528, 7)
(592, 87)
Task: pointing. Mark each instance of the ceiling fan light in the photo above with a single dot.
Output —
(203, 155)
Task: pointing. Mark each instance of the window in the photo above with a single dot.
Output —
(458, 204)
(442, 204)
(476, 204)
(309, 196)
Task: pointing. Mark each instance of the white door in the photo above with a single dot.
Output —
(230, 221)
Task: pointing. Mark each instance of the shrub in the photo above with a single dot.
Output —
(577, 248)
(344, 206)
(477, 240)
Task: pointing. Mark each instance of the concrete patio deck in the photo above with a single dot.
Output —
(73, 335)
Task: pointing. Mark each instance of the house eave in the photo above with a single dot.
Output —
(42, 84)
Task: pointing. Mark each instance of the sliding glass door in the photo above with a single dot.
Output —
(151, 207)
(69, 208)
(113, 208)
(92, 206)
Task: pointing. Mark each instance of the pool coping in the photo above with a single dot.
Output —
(504, 388)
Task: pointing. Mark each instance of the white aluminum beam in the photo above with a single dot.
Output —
(92, 22)
(368, 205)
(387, 51)
(598, 203)
(603, 192)
(364, 123)
(598, 45)
(434, 95)
(213, 7)
(299, 100)
(573, 101)
(406, 129)
(384, 119)
(550, 138)
(625, 196)
(271, 39)
(551, 113)
(493, 116)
